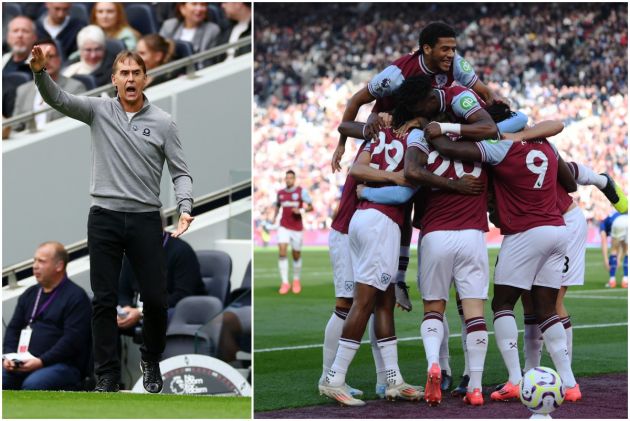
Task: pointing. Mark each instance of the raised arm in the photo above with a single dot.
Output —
(77, 107)
(546, 128)
(362, 172)
(351, 129)
(465, 151)
(415, 171)
(352, 109)
(479, 126)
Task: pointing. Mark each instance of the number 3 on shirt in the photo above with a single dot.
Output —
(540, 169)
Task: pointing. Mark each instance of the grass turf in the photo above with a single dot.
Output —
(84, 405)
(288, 378)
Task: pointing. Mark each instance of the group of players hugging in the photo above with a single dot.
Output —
(440, 142)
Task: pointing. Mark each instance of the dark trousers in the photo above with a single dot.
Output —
(138, 235)
(60, 376)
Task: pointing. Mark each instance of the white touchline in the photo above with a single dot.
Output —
(416, 338)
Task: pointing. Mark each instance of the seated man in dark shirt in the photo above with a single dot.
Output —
(57, 312)
(183, 278)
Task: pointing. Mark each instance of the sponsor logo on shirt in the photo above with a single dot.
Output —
(465, 66)
(146, 132)
(467, 102)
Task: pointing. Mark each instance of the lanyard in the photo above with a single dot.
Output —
(50, 299)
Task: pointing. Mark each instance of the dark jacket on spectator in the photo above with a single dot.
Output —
(67, 38)
(206, 35)
(224, 38)
(61, 333)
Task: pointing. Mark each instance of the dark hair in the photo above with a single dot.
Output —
(434, 30)
(124, 55)
(180, 16)
(499, 111)
(157, 43)
(290, 172)
(413, 90)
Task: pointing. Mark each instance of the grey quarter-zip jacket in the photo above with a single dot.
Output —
(127, 156)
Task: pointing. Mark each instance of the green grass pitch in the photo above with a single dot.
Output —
(288, 378)
(84, 405)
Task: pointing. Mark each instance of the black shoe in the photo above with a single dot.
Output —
(447, 381)
(461, 390)
(151, 376)
(106, 384)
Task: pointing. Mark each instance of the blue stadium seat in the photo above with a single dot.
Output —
(114, 46)
(80, 11)
(142, 18)
(216, 270)
(10, 10)
(15, 79)
(183, 49)
(87, 80)
(216, 15)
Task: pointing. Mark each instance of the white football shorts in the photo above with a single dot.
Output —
(341, 261)
(291, 237)
(533, 257)
(573, 264)
(619, 229)
(454, 256)
(375, 248)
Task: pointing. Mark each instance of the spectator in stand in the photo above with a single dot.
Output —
(57, 24)
(94, 59)
(111, 18)
(28, 98)
(240, 16)
(192, 25)
(21, 37)
(155, 50)
(56, 312)
(568, 62)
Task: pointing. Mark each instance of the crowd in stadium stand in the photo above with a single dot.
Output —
(89, 35)
(553, 61)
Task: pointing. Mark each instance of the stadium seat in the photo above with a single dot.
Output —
(80, 11)
(114, 46)
(195, 327)
(183, 49)
(142, 18)
(10, 10)
(216, 15)
(87, 80)
(216, 270)
(15, 79)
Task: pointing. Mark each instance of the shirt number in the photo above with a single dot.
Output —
(457, 164)
(540, 169)
(391, 161)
